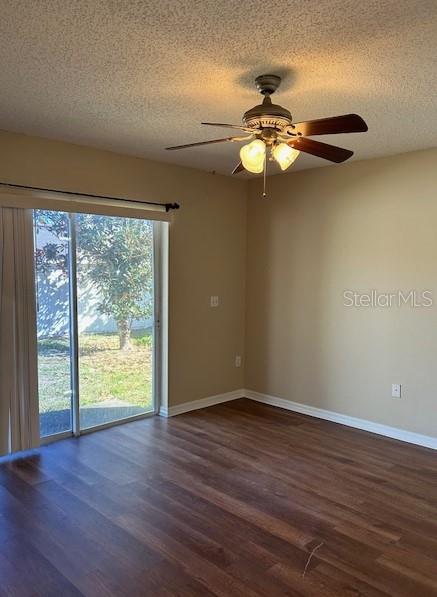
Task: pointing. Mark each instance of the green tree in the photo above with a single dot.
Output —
(115, 256)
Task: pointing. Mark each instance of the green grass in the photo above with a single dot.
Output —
(105, 372)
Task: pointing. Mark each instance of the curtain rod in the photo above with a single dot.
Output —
(168, 206)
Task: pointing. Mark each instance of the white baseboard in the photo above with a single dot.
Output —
(202, 403)
(329, 415)
(392, 432)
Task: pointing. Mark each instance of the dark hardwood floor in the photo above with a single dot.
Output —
(230, 501)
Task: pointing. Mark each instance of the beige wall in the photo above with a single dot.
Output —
(361, 226)
(207, 248)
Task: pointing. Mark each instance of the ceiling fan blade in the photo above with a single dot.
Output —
(240, 127)
(347, 123)
(321, 150)
(238, 168)
(201, 143)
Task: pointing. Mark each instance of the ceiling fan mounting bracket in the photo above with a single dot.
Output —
(267, 84)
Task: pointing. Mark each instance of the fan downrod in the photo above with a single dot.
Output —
(267, 84)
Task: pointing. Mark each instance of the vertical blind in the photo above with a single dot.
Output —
(19, 421)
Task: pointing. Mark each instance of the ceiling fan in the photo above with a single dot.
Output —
(270, 129)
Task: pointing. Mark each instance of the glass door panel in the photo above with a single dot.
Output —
(51, 250)
(114, 258)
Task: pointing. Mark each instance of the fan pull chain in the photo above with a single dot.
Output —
(265, 174)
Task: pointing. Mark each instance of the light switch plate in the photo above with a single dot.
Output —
(396, 390)
(214, 301)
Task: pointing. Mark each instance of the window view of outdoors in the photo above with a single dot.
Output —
(115, 311)
(114, 261)
(51, 242)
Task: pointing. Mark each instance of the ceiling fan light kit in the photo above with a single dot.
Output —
(284, 155)
(273, 136)
(253, 156)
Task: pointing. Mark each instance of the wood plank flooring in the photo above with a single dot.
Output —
(229, 501)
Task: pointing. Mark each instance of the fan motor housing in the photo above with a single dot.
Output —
(267, 115)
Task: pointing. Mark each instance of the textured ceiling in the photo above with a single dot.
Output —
(135, 76)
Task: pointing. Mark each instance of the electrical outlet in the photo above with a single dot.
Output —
(238, 361)
(396, 390)
(214, 301)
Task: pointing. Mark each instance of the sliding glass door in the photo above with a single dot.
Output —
(115, 317)
(95, 281)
